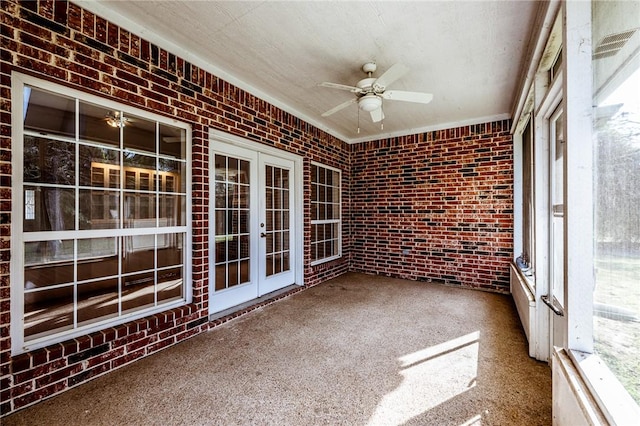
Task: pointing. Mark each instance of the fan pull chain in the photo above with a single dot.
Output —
(358, 120)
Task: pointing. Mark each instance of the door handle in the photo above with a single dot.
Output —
(263, 235)
(556, 310)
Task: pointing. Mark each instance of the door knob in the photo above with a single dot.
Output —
(263, 235)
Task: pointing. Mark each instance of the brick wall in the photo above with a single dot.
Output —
(60, 42)
(435, 206)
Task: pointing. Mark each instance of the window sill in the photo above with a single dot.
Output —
(527, 276)
(325, 260)
(612, 398)
(60, 337)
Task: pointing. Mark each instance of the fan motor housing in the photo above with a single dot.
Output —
(366, 84)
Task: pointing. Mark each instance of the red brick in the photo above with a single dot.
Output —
(259, 120)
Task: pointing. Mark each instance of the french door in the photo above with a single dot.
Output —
(253, 233)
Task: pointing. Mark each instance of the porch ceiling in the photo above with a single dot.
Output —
(468, 54)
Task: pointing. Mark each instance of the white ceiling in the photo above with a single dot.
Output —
(469, 55)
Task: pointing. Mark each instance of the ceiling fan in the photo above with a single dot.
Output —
(371, 91)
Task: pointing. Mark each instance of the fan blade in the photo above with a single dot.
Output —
(377, 115)
(389, 76)
(351, 89)
(400, 95)
(339, 107)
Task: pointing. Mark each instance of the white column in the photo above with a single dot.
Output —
(579, 175)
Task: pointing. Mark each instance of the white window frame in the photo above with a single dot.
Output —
(569, 23)
(528, 269)
(330, 221)
(616, 404)
(18, 238)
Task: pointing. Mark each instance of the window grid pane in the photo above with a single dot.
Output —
(75, 282)
(325, 213)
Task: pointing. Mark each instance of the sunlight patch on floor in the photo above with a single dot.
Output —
(430, 377)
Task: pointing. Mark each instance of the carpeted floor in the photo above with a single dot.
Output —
(356, 350)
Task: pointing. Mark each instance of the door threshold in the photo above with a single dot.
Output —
(262, 301)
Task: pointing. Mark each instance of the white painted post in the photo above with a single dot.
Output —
(579, 279)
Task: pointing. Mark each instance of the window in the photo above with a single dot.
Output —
(103, 236)
(526, 256)
(326, 223)
(616, 76)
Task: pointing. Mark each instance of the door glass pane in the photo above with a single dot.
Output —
(244, 271)
(232, 216)
(232, 274)
(221, 277)
(277, 219)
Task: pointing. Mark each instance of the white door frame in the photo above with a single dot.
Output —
(297, 251)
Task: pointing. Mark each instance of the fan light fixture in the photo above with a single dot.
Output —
(369, 102)
(371, 91)
(115, 120)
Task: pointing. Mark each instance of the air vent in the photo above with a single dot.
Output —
(611, 44)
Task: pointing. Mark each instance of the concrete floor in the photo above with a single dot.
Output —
(356, 350)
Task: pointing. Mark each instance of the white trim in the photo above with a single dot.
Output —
(612, 398)
(18, 237)
(573, 403)
(17, 201)
(551, 99)
(432, 128)
(548, 18)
